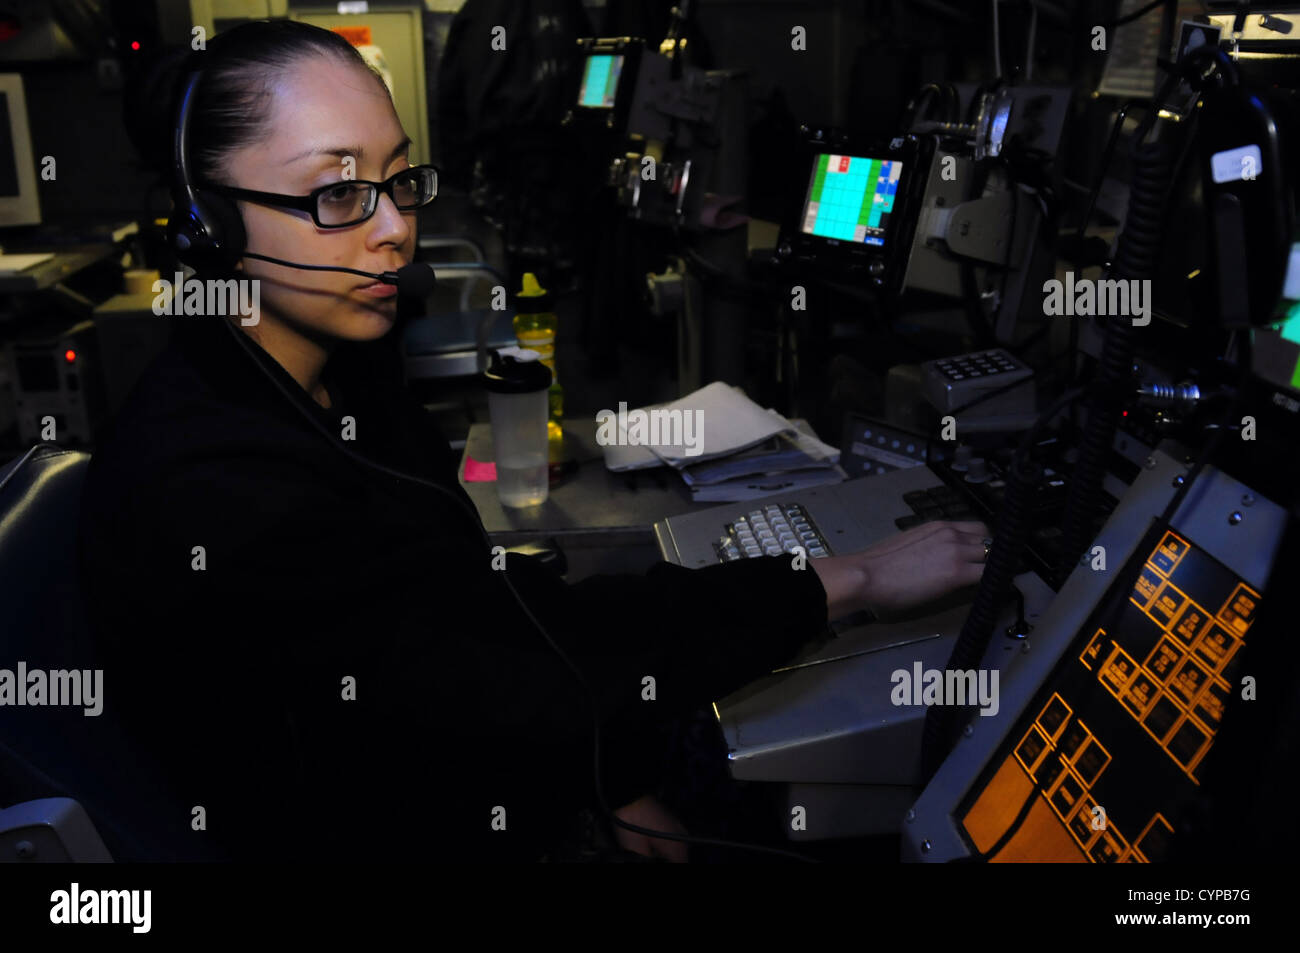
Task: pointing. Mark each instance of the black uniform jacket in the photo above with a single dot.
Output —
(322, 657)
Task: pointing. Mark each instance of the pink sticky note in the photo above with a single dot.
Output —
(478, 472)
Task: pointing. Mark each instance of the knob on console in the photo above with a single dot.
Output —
(978, 471)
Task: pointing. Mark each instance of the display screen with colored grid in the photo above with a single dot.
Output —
(1276, 353)
(851, 198)
(600, 81)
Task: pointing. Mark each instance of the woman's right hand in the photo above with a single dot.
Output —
(906, 570)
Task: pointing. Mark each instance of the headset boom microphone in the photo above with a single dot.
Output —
(415, 279)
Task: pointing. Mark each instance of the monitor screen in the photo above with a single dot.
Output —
(1276, 350)
(600, 81)
(850, 198)
(19, 196)
(8, 163)
(1099, 764)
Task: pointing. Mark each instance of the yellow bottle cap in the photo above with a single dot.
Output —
(531, 288)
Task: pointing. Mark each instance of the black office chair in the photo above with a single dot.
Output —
(71, 787)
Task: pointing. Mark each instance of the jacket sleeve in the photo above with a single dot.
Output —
(699, 634)
(660, 644)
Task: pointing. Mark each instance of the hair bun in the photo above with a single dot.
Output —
(150, 101)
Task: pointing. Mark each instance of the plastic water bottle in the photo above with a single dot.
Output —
(517, 384)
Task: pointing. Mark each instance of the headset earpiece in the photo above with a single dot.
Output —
(226, 231)
(207, 234)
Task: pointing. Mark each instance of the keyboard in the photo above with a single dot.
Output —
(770, 530)
(935, 503)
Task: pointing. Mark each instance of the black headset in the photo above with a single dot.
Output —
(207, 234)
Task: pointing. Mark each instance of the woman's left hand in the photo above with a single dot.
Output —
(648, 812)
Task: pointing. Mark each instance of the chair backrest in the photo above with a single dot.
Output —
(49, 751)
(442, 343)
(41, 615)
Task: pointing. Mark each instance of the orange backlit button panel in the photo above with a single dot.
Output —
(1109, 848)
(1117, 672)
(1190, 623)
(1049, 771)
(1093, 651)
(1031, 749)
(1188, 681)
(1081, 823)
(1154, 839)
(1215, 647)
(1168, 554)
(1054, 716)
(1166, 605)
(1239, 610)
(1072, 740)
(1188, 743)
(1209, 707)
(1066, 795)
(1091, 762)
(1148, 584)
(1138, 696)
(1162, 660)
(1162, 717)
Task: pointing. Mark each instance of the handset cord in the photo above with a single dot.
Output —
(505, 576)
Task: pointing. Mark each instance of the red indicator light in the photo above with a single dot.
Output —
(69, 355)
(135, 44)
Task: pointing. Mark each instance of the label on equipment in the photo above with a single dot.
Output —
(1234, 165)
(895, 460)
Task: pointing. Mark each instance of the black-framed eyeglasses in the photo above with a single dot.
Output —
(350, 201)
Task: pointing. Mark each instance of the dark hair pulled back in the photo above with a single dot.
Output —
(232, 104)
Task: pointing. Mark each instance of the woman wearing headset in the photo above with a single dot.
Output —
(324, 655)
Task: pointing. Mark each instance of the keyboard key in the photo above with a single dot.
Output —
(774, 529)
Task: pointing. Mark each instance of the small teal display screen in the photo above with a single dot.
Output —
(1276, 350)
(600, 81)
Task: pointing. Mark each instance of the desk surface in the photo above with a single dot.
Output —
(67, 261)
(588, 507)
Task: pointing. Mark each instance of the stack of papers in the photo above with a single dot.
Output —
(13, 264)
(725, 446)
